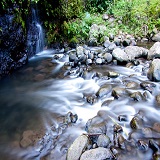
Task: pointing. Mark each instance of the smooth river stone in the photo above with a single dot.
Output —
(96, 154)
(78, 146)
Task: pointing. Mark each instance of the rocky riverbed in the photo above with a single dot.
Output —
(88, 103)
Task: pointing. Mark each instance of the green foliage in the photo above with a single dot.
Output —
(80, 27)
(71, 8)
(98, 5)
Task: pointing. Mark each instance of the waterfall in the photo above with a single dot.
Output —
(40, 38)
(35, 34)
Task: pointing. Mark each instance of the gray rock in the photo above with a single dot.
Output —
(89, 61)
(96, 154)
(118, 92)
(77, 148)
(103, 141)
(137, 96)
(104, 90)
(112, 46)
(135, 52)
(156, 37)
(96, 125)
(117, 41)
(107, 43)
(107, 57)
(99, 61)
(154, 51)
(132, 85)
(153, 73)
(105, 16)
(79, 50)
(73, 57)
(120, 55)
(92, 42)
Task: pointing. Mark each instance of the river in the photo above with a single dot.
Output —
(37, 97)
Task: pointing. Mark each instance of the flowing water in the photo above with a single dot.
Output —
(37, 97)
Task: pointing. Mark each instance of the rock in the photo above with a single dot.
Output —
(158, 100)
(107, 57)
(79, 51)
(96, 31)
(156, 127)
(104, 90)
(117, 41)
(70, 118)
(156, 37)
(77, 148)
(118, 92)
(105, 17)
(103, 141)
(136, 122)
(122, 118)
(96, 125)
(89, 61)
(99, 61)
(154, 51)
(142, 145)
(112, 74)
(29, 138)
(120, 55)
(135, 52)
(126, 42)
(92, 42)
(111, 47)
(148, 86)
(137, 96)
(107, 43)
(91, 99)
(132, 85)
(96, 154)
(73, 57)
(153, 73)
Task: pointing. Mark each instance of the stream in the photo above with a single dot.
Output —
(36, 100)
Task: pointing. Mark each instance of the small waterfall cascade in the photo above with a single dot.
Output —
(40, 39)
(39, 31)
(35, 34)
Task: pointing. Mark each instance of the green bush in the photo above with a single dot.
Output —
(98, 5)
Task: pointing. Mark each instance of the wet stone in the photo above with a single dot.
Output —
(91, 99)
(123, 118)
(136, 123)
(112, 74)
(103, 141)
(132, 85)
(117, 128)
(77, 148)
(137, 96)
(142, 145)
(96, 154)
(158, 100)
(104, 90)
(118, 92)
(156, 127)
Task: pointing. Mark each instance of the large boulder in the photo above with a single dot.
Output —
(96, 31)
(96, 154)
(135, 52)
(78, 146)
(120, 55)
(154, 70)
(154, 51)
(156, 37)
